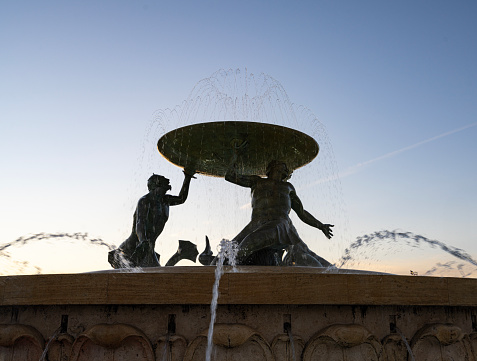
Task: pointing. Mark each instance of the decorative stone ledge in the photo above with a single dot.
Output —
(250, 285)
(164, 313)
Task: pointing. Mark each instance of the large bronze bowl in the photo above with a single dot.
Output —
(210, 148)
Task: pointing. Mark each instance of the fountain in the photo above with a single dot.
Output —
(272, 306)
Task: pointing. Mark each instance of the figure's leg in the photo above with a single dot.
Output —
(260, 240)
(300, 255)
(145, 256)
(121, 257)
(243, 234)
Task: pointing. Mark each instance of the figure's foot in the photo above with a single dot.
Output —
(118, 259)
(297, 256)
(151, 260)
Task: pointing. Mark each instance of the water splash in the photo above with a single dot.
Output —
(383, 242)
(126, 265)
(19, 267)
(227, 250)
(451, 267)
(42, 236)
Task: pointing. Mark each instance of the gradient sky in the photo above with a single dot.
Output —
(394, 84)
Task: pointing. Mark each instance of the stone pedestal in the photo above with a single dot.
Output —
(264, 313)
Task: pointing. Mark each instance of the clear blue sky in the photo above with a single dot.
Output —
(394, 83)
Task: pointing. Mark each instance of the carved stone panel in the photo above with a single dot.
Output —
(473, 344)
(232, 342)
(343, 342)
(59, 347)
(20, 342)
(171, 348)
(116, 342)
(438, 342)
(394, 348)
(286, 350)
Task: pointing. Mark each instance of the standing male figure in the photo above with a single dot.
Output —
(270, 230)
(150, 217)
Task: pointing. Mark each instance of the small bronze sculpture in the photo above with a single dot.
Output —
(207, 256)
(150, 217)
(186, 250)
(271, 231)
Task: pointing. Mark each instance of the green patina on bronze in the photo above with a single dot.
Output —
(208, 147)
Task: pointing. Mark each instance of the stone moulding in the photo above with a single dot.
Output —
(164, 313)
(435, 340)
(112, 337)
(59, 347)
(228, 337)
(9, 334)
(343, 339)
(172, 346)
(394, 347)
(283, 347)
(251, 285)
(20, 342)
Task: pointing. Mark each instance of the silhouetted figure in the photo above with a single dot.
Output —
(186, 250)
(271, 231)
(207, 256)
(150, 217)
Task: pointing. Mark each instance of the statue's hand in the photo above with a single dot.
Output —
(326, 229)
(189, 172)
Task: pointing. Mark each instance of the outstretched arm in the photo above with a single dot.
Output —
(241, 180)
(306, 217)
(181, 198)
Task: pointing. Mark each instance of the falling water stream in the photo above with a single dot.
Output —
(227, 251)
(408, 347)
(167, 348)
(292, 342)
(47, 347)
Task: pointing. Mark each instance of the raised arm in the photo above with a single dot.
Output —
(306, 217)
(181, 198)
(241, 180)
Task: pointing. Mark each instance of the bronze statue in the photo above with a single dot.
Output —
(150, 217)
(209, 147)
(270, 230)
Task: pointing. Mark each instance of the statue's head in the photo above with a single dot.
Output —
(158, 181)
(279, 166)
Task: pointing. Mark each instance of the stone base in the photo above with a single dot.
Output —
(164, 314)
